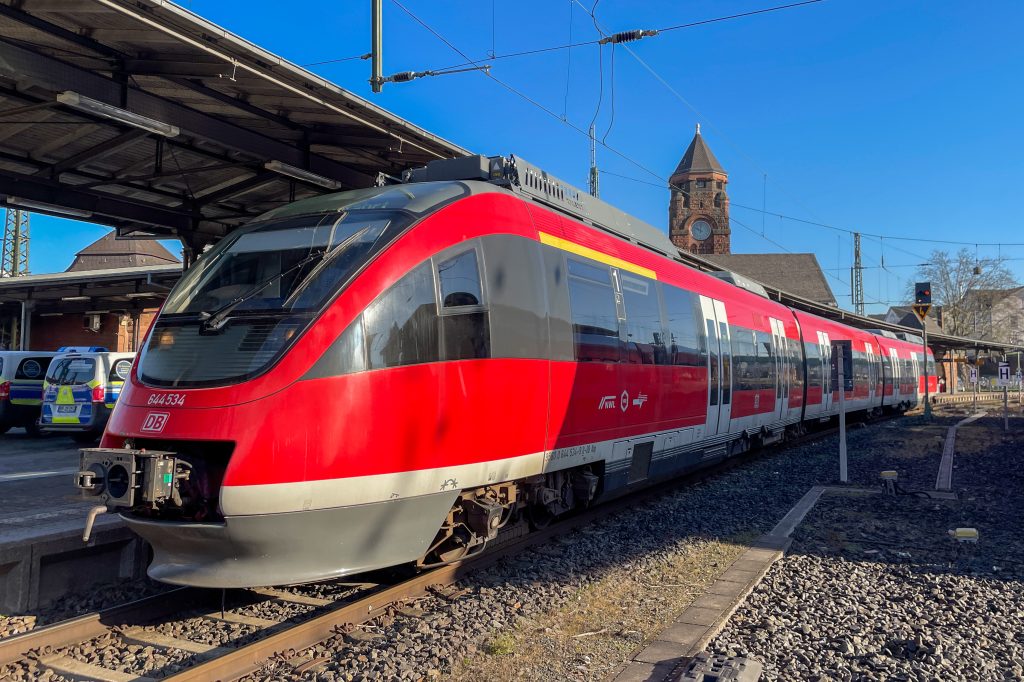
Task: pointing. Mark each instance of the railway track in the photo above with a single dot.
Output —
(262, 638)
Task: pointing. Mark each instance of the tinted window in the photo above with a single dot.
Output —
(712, 363)
(120, 370)
(765, 361)
(401, 325)
(686, 345)
(796, 366)
(31, 369)
(744, 358)
(349, 350)
(813, 364)
(459, 278)
(723, 331)
(68, 371)
(465, 332)
(644, 334)
(595, 323)
(289, 264)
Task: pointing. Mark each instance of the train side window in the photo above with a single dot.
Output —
(765, 361)
(687, 343)
(348, 352)
(465, 332)
(713, 363)
(401, 325)
(797, 366)
(744, 358)
(645, 337)
(459, 279)
(595, 322)
(814, 377)
(723, 333)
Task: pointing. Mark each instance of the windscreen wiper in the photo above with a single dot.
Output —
(214, 320)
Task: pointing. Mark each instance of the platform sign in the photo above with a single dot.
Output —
(974, 375)
(846, 348)
(1004, 374)
(921, 310)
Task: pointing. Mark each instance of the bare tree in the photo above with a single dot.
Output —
(966, 289)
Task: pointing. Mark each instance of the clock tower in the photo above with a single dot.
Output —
(698, 212)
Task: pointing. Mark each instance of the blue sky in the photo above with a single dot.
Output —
(899, 118)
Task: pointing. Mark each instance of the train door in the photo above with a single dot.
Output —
(825, 346)
(897, 372)
(782, 369)
(869, 354)
(719, 366)
(919, 386)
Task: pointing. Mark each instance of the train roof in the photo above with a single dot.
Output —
(531, 182)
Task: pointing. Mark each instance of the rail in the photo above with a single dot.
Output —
(273, 638)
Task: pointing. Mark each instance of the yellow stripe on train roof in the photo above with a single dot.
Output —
(587, 252)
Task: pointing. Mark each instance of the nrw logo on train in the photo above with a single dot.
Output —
(155, 422)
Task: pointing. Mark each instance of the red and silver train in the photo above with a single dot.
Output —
(391, 375)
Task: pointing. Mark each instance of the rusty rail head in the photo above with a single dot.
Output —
(83, 628)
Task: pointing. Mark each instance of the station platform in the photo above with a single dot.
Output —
(42, 555)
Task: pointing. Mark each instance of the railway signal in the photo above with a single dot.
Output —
(923, 293)
(922, 304)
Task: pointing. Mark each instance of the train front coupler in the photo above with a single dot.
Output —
(127, 479)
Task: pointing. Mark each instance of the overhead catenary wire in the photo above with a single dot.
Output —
(783, 216)
(648, 32)
(665, 184)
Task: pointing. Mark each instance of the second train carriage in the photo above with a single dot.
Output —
(369, 378)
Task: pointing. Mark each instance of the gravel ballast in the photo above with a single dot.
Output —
(579, 606)
(875, 588)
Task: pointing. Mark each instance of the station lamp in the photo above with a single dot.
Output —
(95, 107)
(301, 174)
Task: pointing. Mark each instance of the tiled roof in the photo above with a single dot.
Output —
(698, 158)
(795, 273)
(110, 252)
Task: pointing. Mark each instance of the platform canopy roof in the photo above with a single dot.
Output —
(223, 122)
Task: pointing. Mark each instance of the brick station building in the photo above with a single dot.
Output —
(107, 297)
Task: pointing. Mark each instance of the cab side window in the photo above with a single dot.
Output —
(401, 325)
(465, 333)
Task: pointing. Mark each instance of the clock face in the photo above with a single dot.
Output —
(700, 230)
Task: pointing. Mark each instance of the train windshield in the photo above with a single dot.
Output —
(292, 264)
(238, 308)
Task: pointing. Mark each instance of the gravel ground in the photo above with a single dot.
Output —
(576, 608)
(873, 588)
(78, 603)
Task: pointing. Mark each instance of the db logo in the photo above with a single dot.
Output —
(155, 422)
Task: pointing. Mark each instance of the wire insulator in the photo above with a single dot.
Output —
(402, 77)
(627, 36)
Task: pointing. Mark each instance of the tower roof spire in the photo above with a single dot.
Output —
(698, 157)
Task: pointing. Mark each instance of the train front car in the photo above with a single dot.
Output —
(249, 446)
